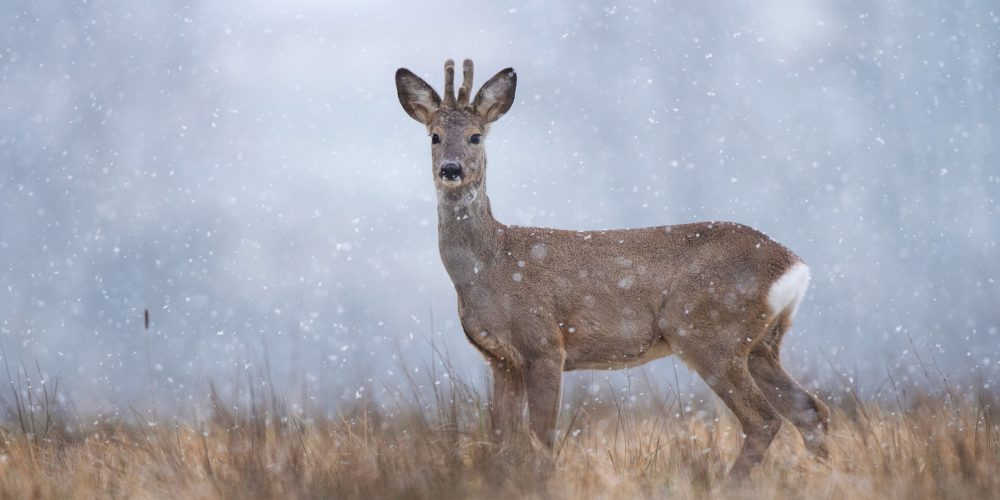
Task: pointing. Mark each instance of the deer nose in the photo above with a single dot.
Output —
(451, 171)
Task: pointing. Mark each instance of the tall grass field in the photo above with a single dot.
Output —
(434, 440)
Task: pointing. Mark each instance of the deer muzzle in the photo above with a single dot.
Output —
(451, 171)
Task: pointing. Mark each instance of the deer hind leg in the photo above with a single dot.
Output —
(730, 379)
(809, 415)
(543, 380)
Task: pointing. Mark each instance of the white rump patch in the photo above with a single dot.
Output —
(787, 291)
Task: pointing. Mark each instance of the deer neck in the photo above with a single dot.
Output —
(468, 236)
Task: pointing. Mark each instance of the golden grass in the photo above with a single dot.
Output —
(934, 447)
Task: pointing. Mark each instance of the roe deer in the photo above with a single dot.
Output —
(539, 301)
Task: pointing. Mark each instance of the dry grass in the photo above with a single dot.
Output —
(613, 445)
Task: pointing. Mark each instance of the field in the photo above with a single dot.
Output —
(435, 443)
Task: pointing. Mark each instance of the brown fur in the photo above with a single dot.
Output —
(537, 301)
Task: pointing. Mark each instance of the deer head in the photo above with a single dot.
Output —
(457, 126)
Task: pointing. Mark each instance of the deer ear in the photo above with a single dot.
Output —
(496, 96)
(418, 99)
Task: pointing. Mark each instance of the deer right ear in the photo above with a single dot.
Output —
(418, 99)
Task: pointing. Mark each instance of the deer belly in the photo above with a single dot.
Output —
(594, 346)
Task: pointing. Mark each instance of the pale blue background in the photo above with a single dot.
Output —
(243, 170)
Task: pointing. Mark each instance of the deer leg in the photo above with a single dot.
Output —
(731, 381)
(507, 402)
(543, 379)
(809, 415)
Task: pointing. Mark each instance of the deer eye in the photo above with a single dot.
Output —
(435, 139)
(475, 138)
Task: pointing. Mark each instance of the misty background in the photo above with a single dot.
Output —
(243, 170)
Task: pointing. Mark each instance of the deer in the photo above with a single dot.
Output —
(537, 301)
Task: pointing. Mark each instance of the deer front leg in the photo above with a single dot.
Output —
(507, 402)
(543, 381)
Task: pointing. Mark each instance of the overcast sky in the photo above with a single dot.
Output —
(243, 170)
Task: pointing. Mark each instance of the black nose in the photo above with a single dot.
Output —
(451, 171)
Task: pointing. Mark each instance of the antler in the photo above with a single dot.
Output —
(449, 83)
(466, 89)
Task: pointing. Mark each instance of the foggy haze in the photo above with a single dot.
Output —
(244, 171)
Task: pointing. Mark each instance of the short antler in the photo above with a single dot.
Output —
(466, 89)
(449, 83)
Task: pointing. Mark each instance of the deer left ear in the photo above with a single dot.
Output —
(496, 96)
